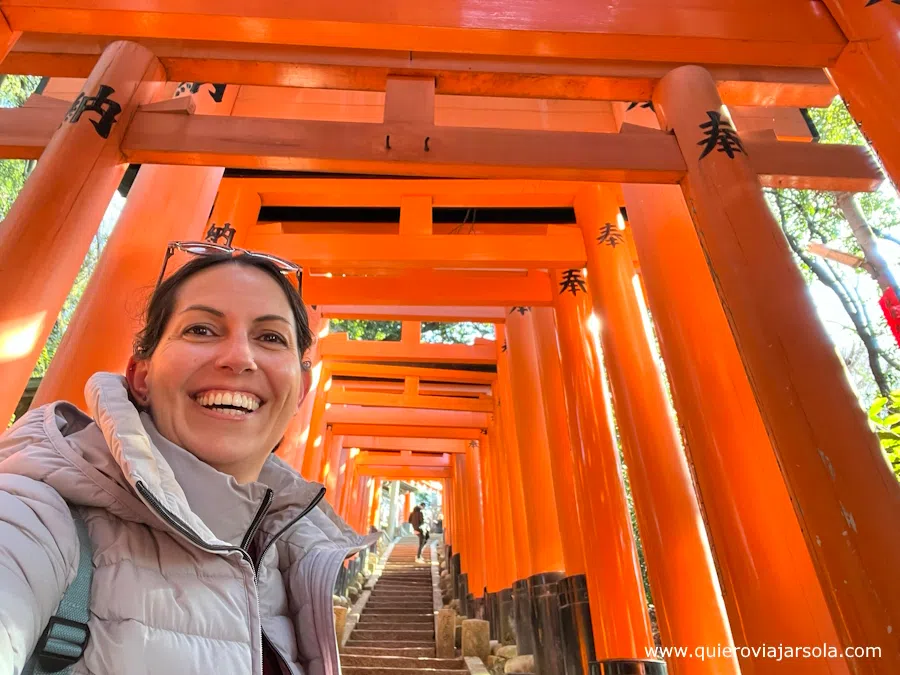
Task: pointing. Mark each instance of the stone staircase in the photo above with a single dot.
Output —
(395, 632)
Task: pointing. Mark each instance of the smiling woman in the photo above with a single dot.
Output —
(188, 512)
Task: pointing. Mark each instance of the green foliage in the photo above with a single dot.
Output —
(847, 298)
(432, 331)
(884, 415)
(356, 329)
(69, 306)
(14, 90)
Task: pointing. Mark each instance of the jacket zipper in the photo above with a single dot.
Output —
(258, 518)
(177, 524)
(313, 504)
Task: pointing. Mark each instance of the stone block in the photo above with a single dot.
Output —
(520, 664)
(507, 651)
(476, 638)
(445, 634)
(340, 621)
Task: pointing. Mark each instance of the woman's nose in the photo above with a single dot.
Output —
(236, 354)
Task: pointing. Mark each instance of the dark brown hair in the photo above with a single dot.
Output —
(162, 302)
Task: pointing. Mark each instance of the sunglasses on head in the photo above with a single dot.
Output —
(204, 248)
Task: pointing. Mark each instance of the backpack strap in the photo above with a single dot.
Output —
(64, 639)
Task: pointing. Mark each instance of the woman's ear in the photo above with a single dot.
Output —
(136, 376)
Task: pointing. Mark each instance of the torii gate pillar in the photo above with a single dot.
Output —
(49, 228)
(843, 492)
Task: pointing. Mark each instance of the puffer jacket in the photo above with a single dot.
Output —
(192, 571)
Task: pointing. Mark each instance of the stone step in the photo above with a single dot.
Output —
(390, 644)
(397, 618)
(398, 602)
(397, 609)
(408, 652)
(375, 670)
(395, 625)
(433, 665)
(392, 635)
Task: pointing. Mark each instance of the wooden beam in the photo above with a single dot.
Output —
(406, 417)
(424, 287)
(207, 140)
(766, 32)
(405, 472)
(386, 400)
(425, 388)
(401, 149)
(338, 348)
(389, 192)
(420, 313)
(385, 251)
(404, 458)
(60, 55)
(404, 431)
(401, 372)
(413, 444)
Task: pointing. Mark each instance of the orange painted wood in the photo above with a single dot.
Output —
(457, 74)
(490, 504)
(388, 400)
(402, 431)
(726, 32)
(409, 99)
(165, 203)
(431, 288)
(416, 215)
(397, 444)
(8, 38)
(679, 561)
(865, 73)
(405, 473)
(50, 226)
(367, 458)
(420, 313)
(714, 397)
(619, 617)
(338, 347)
(406, 417)
(559, 439)
(332, 465)
(544, 536)
(395, 372)
(841, 487)
(406, 252)
(315, 437)
(362, 148)
(390, 191)
(374, 506)
(471, 391)
(505, 413)
(500, 486)
(475, 518)
(787, 123)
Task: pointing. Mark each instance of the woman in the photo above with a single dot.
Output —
(209, 553)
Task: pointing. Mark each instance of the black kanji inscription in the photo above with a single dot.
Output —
(217, 94)
(214, 234)
(520, 310)
(720, 133)
(505, 346)
(100, 104)
(647, 104)
(572, 282)
(875, 2)
(473, 444)
(610, 235)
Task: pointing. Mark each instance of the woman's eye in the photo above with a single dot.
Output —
(203, 331)
(274, 338)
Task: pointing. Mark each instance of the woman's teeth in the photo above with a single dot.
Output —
(236, 404)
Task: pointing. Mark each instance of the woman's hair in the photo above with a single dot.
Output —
(162, 302)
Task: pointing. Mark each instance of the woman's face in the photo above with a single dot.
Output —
(225, 379)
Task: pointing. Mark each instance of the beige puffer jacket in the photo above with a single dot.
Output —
(192, 570)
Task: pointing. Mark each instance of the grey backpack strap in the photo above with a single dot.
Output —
(64, 639)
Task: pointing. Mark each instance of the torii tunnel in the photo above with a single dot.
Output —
(767, 513)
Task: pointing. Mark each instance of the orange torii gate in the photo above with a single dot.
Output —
(457, 92)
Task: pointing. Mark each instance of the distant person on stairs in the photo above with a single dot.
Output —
(417, 520)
